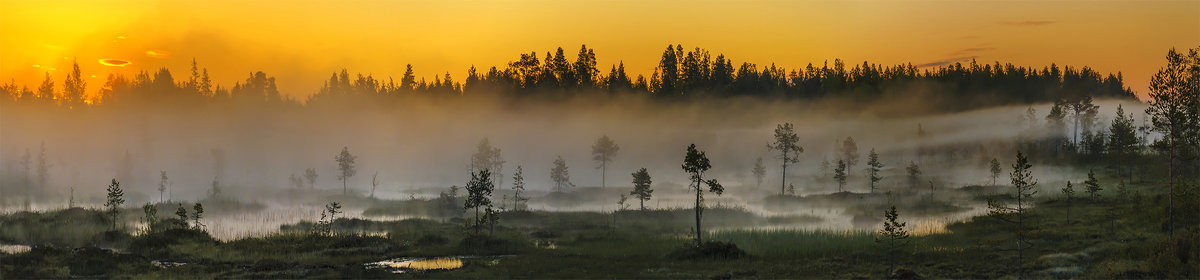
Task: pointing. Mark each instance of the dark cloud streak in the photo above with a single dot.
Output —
(1028, 22)
(945, 62)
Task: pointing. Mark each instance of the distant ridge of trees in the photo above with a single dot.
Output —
(680, 74)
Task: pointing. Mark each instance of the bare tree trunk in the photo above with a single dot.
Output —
(1068, 209)
(783, 182)
(1075, 134)
(1171, 192)
(1020, 234)
(892, 255)
(698, 190)
(603, 174)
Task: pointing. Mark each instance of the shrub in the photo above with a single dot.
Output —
(432, 239)
(712, 250)
(156, 244)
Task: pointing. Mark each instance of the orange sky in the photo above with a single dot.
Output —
(302, 42)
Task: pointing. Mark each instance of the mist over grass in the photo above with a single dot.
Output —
(425, 145)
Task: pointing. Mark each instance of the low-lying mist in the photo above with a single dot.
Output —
(423, 146)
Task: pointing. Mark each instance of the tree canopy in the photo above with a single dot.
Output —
(679, 75)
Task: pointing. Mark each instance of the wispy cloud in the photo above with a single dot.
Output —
(114, 62)
(1028, 22)
(969, 51)
(945, 62)
(158, 53)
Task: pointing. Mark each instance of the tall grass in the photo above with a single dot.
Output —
(70, 228)
(797, 243)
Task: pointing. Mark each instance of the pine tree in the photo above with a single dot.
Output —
(74, 87)
(1024, 184)
(26, 165)
(893, 236)
(603, 152)
(45, 91)
(197, 214)
(449, 199)
(667, 73)
(789, 152)
(1122, 139)
(1079, 109)
(116, 197)
(374, 184)
(995, 169)
(162, 185)
(1069, 191)
(43, 168)
(825, 167)
(839, 174)
(641, 187)
(310, 175)
(1092, 186)
(695, 163)
(409, 80)
(519, 187)
(479, 193)
(873, 167)
(585, 68)
(215, 192)
(149, 216)
(560, 174)
(491, 217)
(1174, 104)
(297, 182)
(1055, 122)
(759, 172)
(849, 153)
(345, 162)
(488, 157)
(181, 217)
(333, 209)
(914, 174)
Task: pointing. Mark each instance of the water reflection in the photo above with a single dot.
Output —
(417, 264)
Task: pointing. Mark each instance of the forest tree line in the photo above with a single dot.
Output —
(680, 74)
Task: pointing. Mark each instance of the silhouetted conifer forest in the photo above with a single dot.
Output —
(681, 74)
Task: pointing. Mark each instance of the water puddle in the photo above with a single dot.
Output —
(166, 264)
(13, 249)
(545, 244)
(404, 265)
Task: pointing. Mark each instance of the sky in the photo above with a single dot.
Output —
(302, 42)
